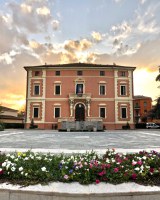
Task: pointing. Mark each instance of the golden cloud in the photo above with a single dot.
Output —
(43, 11)
(77, 45)
(96, 36)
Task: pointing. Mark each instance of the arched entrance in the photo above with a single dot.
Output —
(80, 112)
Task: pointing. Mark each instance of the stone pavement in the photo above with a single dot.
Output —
(80, 141)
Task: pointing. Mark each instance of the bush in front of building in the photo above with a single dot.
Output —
(13, 125)
(1, 126)
(140, 125)
(32, 168)
(32, 125)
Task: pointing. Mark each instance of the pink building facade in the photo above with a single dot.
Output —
(79, 92)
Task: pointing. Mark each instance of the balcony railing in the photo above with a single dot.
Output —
(79, 95)
(137, 107)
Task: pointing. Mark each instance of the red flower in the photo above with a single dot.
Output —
(1, 172)
(134, 176)
(116, 169)
(151, 170)
(97, 181)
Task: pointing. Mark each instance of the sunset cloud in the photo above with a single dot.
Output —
(96, 36)
(34, 32)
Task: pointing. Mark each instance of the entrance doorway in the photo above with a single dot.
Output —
(80, 112)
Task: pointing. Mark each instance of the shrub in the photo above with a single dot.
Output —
(1, 126)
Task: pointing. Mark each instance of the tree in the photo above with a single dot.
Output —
(158, 76)
(1, 123)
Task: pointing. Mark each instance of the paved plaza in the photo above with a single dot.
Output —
(54, 140)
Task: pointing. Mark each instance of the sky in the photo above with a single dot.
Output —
(35, 32)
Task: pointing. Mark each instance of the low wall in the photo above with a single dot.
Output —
(72, 191)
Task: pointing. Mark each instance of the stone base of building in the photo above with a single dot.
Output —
(91, 126)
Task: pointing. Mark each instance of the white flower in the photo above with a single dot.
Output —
(8, 155)
(142, 167)
(22, 173)
(13, 169)
(4, 164)
(39, 158)
(43, 169)
(12, 156)
(66, 167)
(62, 161)
(144, 157)
(107, 160)
(137, 169)
(1, 169)
(26, 174)
(26, 158)
(76, 168)
(21, 169)
(148, 167)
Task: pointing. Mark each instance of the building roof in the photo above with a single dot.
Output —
(10, 117)
(80, 65)
(8, 109)
(141, 97)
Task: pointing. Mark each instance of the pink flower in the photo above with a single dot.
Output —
(66, 177)
(108, 165)
(96, 163)
(97, 181)
(103, 166)
(90, 166)
(134, 176)
(116, 169)
(134, 163)
(139, 162)
(102, 173)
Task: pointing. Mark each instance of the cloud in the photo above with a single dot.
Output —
(121, 30)
(77, 45)
(96, 36)
(43, 11)
(30, 17)
(55, 24)
(10, 36)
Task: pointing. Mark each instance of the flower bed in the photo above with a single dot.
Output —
(32, 168)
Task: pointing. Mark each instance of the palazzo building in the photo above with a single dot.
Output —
(79, 92)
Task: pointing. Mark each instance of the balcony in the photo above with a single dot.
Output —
(79, 96)
(136, 107)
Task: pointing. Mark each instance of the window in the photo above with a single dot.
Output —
(79, 73)
(57, 89)
(124, 113)
(56, 112)
(36, 90)
(102, 112)
(102, 73)
(79, 88)
(123, 90)
(37, 73)
(35, 112)
(145, 103)
(58, 73)
(123, 73)
(102, 89)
